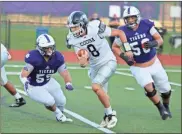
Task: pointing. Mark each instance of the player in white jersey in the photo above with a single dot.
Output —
(4, 80)
(91, 36)
(147, 70)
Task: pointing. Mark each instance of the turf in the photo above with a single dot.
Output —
(136, 114)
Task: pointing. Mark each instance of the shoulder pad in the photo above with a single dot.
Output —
(148, 22)
(32, 57)
(94, 23)
(96, 27)
(60, 58)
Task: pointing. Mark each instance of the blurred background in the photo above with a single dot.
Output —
(22, 21)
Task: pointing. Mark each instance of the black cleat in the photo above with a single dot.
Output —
(168, 110)
(164, 114)
(18, 103)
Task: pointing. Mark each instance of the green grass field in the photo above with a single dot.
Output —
(23, 38)
(136, 114)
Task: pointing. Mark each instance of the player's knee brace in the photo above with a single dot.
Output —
(166, 95)
(151, 94)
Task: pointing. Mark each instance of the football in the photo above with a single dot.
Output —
(82, 52)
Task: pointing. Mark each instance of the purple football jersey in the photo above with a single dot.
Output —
(43, 69)
(136, 38)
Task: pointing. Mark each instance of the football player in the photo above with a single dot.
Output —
(19, 100)
(91, 37)
(41, 63)
(146, 67)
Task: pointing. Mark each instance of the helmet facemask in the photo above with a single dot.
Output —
(47, 51)
(132, 24)
(80, 29)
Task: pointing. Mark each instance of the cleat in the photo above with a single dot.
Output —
(63, 118)
(18, 103)
(168, 110)
(104, 121)
(112, 120)
(164, 114)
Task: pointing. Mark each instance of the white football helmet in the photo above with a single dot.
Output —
(44, 42)
(131, 11)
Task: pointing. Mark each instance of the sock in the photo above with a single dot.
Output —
(159, 105)
(61, 108)
(166, 105)
(57, 111)
(17, 96)
(108, 110)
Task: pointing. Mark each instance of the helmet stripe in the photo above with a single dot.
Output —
(48, 40)
(129, 10)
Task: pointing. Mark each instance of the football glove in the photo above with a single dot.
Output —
(26, 85)
(129, 61)
(69, 86)
(150, 44)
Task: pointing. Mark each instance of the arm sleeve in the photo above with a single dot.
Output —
(153, 31)
(76, 49)
(62, 68)
(118, 41)
(28, 67)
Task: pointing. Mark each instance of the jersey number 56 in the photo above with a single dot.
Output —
(137, 50)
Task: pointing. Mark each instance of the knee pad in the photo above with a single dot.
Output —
(62, 101)
(166, 95)
(151, 94)
(49, 102)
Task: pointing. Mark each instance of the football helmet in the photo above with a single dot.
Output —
(78, 21)
(129, 12)
(45, 44)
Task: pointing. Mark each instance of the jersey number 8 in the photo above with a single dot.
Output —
(91, 48)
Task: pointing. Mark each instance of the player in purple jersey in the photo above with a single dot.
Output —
(146, 67)
(41, 63)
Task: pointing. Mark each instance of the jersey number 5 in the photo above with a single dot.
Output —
(40, 78)
(91, 48)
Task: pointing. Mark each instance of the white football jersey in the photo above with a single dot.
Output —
(4, 55)
(95, 42)
(3, 48)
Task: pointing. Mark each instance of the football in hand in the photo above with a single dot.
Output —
(82, 52)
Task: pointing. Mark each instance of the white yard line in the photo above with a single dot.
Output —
(118, 69)
(79, 117)
(130, 88)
